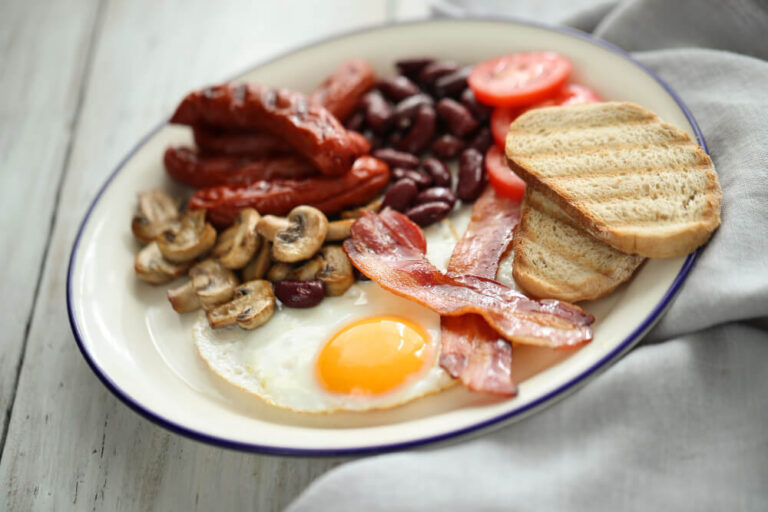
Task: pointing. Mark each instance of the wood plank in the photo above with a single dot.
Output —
(70, 443)
(43, 47)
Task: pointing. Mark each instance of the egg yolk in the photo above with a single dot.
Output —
(372, 356)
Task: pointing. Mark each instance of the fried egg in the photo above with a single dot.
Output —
(367, 349)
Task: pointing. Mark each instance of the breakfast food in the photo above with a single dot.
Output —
(354, 267)
(628, 179)
(310, 129)
(390, 249)
(557, 259)
(471, 350)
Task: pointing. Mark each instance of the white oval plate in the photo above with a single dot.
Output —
(144, 352)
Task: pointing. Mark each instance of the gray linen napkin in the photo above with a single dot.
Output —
(681, 424)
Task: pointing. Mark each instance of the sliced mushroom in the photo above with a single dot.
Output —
(246, 240)
(224, 242)
(339, 230)
(209, 285)
(191, 238)
(155, 213)
(337, 275)
(308, 270)
(297, 237)
(257, 268)
(213, 284)
(183, 298)
(251, 307)
(279, 272)
(151, 267)
(373, 206)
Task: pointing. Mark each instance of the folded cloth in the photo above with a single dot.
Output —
(681, 424)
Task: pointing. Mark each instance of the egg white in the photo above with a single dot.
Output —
(277, 360)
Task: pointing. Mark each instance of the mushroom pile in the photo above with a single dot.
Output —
(236, 275)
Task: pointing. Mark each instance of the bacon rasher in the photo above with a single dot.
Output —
(471, 350)
(390, 249)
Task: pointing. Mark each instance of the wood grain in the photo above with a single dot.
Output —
(44, 52)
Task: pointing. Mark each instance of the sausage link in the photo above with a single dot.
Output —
(248, 144)
(361, 184)
(342, 91)
(310, 129)
(187, 166)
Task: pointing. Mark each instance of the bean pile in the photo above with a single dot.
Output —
(417, 122)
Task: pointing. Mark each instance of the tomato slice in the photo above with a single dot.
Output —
(519, 79)
(503, 180)
(570, 94)
(501, 118)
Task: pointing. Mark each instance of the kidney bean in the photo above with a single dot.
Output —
(481, 112)
(482, 141)
(421, 179)
(395, 158)
(412, 67)
(452, 84)
(376, 141)
(359, 276)
(431, 72)
(397, 88)
(423, 129)
(355, 121)
(471, 176)
(400, 195)
(394, 139)
(438, 170)
(428, 213)
(443, 194)
(458, 117)
(405, 110)
(447, 146)
(299, 294)
(378, 112)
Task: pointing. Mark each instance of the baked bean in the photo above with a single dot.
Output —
(432, 194)
(431, 72)
(412, 67)
(458, 117)
(447, 146)
(378, 112)
(395, 158)
(300, 294)
(405, 110)
(482, 141)
(428, 213)
(438, 170)
(400, 195)
(421, 179)
(471, 175)
(481, 112)
(423, 129)
(397, 88)
(452, 84)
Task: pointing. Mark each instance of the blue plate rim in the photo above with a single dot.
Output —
(497, 421)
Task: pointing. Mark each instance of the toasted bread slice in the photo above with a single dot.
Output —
(555, 259)
(641, 185)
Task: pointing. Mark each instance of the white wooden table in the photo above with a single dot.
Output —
(81, 81)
